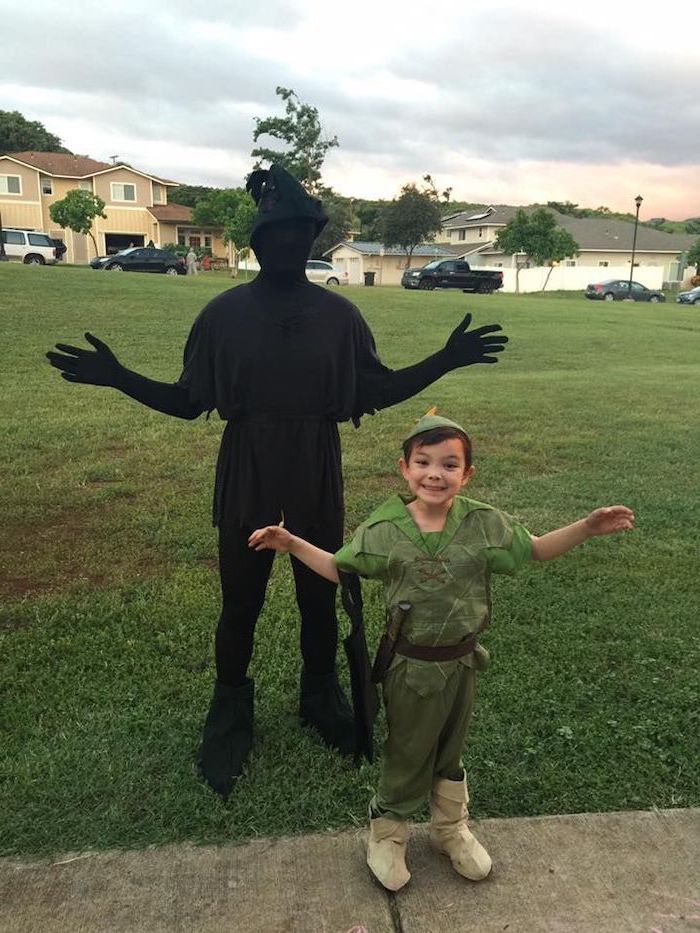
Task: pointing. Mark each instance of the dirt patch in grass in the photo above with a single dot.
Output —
(70, 549)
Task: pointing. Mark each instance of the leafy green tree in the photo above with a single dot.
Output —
(539, 237)
(230, 208)
(300, 129)
(77, 211)
(189, 195)
(410, 219)
(369, 217)
(17, 134)
(341, 221)
(693, 256)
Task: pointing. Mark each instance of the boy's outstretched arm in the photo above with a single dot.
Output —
(605, 521)
(276, 538)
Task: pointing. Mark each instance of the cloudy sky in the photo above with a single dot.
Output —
(507, 102)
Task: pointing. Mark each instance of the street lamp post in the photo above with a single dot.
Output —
(638, 201)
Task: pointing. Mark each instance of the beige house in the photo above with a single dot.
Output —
(136, 204)
(360, 258)
(603, 243)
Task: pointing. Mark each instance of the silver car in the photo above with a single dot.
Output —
(689, 298)
(322, 273)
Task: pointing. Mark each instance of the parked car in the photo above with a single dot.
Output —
(323, 273)
(32, 247)
(452, 273)
(618, 289)
(689, 298)
(142, 259)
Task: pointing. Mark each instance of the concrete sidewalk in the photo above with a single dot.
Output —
(589, 873)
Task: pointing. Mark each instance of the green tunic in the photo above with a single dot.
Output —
(445, 576)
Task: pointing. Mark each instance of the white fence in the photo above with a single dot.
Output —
(575, 278)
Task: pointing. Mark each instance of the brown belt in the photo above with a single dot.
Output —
(436, 652)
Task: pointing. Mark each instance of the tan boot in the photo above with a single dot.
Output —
(449, 833)
(386, 852)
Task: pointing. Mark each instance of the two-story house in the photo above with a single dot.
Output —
(136, 204)
(603, 242)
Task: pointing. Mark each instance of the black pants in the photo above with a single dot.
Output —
(244, 575)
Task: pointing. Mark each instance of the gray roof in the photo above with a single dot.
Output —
(372, 248)
(597, 233)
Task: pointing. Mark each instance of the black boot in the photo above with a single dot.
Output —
(227, 737)
(322, 704)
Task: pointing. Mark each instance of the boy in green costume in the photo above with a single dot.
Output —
(434, 551)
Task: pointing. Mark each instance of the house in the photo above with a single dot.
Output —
(357, 257)
(603, 242)
(136, 204)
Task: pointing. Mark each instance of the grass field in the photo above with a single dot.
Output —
(110, 594)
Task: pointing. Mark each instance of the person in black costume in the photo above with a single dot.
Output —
(283, 361)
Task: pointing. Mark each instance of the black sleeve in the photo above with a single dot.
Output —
(168, 397)
(380, 387)
(193, 393)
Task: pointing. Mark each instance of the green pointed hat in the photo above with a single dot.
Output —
(279, 196)
(429, 422)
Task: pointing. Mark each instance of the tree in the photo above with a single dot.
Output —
(230, 208)
(189, 195)
(411, 219)
(538, 236)
(301, 130)
(431, 189)
(77, 211)
(17, 134)
(341, 221)
(693, 256)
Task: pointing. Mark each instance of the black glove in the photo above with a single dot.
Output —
(465, 347)
(98, 367)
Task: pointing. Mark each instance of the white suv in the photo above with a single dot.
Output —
(29, 246)
(322, 272)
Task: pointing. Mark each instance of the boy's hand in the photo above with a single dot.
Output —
(274, 538)
(465, 347)
(607, 521)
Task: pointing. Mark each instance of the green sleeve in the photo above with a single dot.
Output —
(353, 557)
(510, 559)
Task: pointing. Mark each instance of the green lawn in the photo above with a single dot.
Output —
(110, 594)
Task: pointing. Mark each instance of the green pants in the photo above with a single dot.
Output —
(426, 737)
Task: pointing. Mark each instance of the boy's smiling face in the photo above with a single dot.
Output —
(437, 472)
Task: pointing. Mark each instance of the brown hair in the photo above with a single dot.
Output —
(437, 436)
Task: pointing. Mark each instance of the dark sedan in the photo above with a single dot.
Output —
(619, 289)
(142, 259)
(689, 298)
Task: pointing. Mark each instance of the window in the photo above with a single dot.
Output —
(195, 241)
(603, 262)
(481, 231)
(462, 234)
(570, 262)
(39, 239)
(46, 185)
(157, 193)
(207, 242)
(447, 266)
(86, 185)
(13, 237)
(123, 192)
(10, 184)
(181, 239)
(462, 266)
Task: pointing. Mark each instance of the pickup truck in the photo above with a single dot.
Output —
(452, 273)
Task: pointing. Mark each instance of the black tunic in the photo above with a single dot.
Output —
(282, 373)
